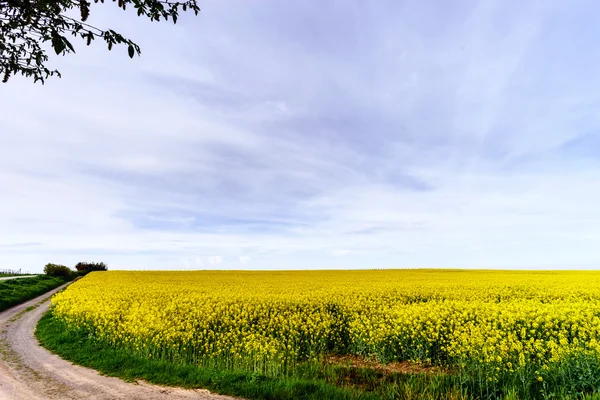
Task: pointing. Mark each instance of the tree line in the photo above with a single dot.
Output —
(81, 268)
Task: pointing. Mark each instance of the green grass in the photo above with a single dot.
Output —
(578, 378)
(16, 291)
(117, 362)
(308, 382)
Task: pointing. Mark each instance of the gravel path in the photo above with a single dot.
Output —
(16, 277)
(31, 372)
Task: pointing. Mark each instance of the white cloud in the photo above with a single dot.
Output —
(417, 138)
(244, 259)
(215, 260)
(341, 252)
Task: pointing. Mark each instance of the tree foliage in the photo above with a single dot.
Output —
(85, 267)
(26, 25)
(58, 270)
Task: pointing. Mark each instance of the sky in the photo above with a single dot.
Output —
(310, 135)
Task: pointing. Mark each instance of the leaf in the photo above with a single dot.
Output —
(67, 43)
(57, 43)
(131, 51)
(84, 8)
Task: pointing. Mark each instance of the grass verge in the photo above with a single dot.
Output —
(120, 363)
(16, 291)
(346, 380)
(311, 382)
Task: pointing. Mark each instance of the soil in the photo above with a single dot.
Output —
(405, 367)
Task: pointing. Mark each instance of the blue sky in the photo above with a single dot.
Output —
(288, 134)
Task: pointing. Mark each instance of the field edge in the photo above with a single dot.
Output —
(119, 363)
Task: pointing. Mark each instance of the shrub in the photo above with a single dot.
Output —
(58, 270)
(85, 267)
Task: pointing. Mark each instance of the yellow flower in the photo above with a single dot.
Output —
(504, 321)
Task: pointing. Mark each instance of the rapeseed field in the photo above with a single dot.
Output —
(499, 333)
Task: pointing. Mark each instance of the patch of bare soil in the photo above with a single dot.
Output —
(405, 367)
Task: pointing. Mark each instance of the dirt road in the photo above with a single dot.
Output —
(28, 371)
(16, 277)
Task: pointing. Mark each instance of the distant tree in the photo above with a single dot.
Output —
(25, 25)
(85, 267)
(58, 270)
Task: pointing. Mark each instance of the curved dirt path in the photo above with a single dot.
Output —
(28, 371)
(17, 277)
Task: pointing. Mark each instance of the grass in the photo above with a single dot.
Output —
(338, 379)
(322, 381)
(16, 291)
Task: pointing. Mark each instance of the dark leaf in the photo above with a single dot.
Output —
(68, 44)
(57, 43)
(84, 8)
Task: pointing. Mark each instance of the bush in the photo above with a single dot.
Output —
(58, 270)
(85, 267)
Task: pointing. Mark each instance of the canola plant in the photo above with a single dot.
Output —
(493, 324)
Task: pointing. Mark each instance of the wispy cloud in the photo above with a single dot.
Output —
(283, 134)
